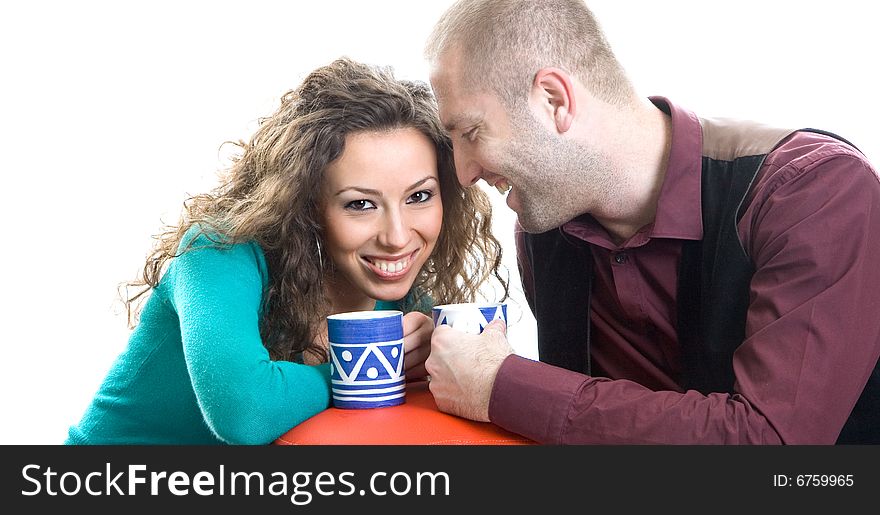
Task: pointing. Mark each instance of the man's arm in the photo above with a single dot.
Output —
(812, 335)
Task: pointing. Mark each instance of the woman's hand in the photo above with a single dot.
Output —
(417, 330)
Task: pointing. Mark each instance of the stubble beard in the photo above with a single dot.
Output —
(555, 179)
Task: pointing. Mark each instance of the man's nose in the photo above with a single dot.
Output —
(467, 169)
(395, 232)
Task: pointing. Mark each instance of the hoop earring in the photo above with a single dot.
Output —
(320, 257)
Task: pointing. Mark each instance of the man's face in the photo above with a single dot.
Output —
(511, 151)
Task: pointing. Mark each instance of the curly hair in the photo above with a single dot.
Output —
(270, 194)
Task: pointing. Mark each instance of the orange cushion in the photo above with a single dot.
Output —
(415, 422)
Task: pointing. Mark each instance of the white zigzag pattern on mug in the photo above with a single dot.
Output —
(372, 348)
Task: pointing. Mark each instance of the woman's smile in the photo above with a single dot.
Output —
(390, 268)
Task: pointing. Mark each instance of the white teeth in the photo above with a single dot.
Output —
(391, 267)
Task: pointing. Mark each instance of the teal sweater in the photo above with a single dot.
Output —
(195, 370)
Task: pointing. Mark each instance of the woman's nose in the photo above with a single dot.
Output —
(395, 231)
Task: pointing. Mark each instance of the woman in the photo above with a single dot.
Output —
(344, 199)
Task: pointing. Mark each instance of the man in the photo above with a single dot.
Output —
(694, 280)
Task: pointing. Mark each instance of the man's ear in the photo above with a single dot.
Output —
(555, 90)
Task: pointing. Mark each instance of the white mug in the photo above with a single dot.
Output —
(470, 317)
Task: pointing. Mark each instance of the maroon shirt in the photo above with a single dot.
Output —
(812, 229)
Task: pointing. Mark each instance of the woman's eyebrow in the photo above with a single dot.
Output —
(422, 181)
(377, 193)
(365, 191)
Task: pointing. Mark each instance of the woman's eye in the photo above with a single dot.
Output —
(360, 205)
(420, 196)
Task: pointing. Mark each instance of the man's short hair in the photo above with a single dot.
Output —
(503, 43)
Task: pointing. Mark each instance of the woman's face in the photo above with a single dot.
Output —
(382, 213)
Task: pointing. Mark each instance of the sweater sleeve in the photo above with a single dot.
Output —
(245, 397)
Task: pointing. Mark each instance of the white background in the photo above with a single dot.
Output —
(112, 112)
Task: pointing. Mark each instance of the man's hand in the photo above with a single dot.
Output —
(417, 329)
(463, 368)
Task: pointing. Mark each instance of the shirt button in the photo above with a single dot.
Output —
(620, 258)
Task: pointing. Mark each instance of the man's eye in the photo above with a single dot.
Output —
(470, 135)
(360, 205)
(420, 196)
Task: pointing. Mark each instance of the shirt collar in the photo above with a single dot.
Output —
(679, 206)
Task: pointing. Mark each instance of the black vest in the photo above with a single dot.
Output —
(713, 295)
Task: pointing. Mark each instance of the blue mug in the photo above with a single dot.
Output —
(366, 359)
